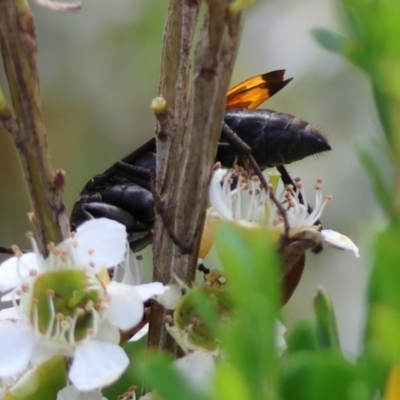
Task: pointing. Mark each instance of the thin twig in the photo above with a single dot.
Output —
(26, 126)
(188, 134)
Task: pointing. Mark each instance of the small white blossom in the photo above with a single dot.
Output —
(250, 206)
(68, 306)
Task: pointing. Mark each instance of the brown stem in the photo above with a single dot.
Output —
(26, 126)
(187, 137)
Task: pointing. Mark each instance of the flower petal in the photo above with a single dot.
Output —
(101, 242)
(108, 333)
(339, 241)
(15, 269)
(17, 342)
(132, 269)
(97, 364)
(9, 313)
(197, 368)
(72, 393)
(125, 309)
(149, 290)
(215, 195)
(10, 296)
(208, 236)
(171, 297)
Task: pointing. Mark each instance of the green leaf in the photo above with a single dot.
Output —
(156, 369)
(230, 384)
(374, 367)
(250, 259)
(327, 332)
(382, 190)
(330, 40)
(302, 338)
(383, 325)
(316, 376)
(374, 31)
(385, 277)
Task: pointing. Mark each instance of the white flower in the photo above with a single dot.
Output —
(68, 306)
(98, 244)
(249, 206)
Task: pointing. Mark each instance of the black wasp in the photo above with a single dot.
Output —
(122, 192)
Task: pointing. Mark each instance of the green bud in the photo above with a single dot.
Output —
(188, 318)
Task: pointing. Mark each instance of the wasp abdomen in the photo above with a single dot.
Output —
(275, 138)
(134, 199)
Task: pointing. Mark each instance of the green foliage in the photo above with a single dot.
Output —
(384, 317)
(165, 380)
(315, 376)
(383, 190)
(372, 44)
(327, 334)
(302, 338)
(250, 260)
(312, 367)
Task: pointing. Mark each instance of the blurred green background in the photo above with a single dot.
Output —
(99, 71)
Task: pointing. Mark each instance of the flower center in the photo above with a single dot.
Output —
(189, 319)
(66, 305)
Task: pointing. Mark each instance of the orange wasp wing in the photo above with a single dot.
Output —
(255, 90)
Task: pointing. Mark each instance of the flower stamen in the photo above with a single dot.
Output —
(52, 317)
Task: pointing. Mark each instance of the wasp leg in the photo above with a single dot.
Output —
(139, 175)
(186, 248)
(144, 178)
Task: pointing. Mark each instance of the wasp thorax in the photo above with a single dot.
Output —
(189, 320)
(67, 305)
